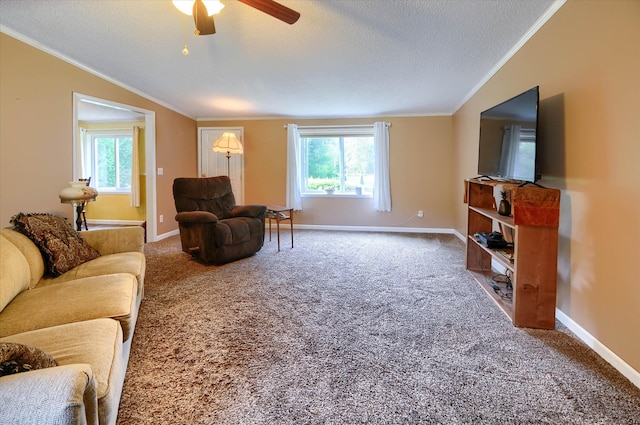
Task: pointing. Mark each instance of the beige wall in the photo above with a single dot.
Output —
(586, 61)
(177, 155)
(420, 171)
(36, 132)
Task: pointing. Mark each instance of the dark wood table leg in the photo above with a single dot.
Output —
(291, 221)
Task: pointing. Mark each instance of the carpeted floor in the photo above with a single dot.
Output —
(351, 328)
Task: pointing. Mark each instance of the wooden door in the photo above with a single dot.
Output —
(212, 163)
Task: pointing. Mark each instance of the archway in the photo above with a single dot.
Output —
(89, 106)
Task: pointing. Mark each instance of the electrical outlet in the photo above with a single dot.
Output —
(161, 218)
(420, 213)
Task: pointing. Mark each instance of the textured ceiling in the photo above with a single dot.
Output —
(343, 58)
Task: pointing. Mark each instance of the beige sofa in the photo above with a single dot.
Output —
(84, 319)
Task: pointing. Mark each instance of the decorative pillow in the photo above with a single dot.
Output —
(61, 246)
(16, 358)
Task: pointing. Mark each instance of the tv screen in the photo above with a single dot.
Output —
(507, 148)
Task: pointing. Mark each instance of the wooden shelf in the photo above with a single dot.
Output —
(493, 214)
(494, 254)
(482, 278)
(533, 271)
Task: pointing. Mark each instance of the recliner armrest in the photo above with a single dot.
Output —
(196, 217)
(254, 211)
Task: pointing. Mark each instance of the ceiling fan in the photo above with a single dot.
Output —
(203, 12)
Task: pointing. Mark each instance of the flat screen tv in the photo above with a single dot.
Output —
(508, 139)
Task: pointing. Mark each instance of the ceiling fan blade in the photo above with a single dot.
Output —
(204, 22)
(274, 9)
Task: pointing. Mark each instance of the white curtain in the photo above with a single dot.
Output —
(135, 168)
(84, 154)
(294, 199)
(381, 182)
(510, 142)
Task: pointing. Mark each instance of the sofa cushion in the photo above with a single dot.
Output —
(125, 262)
(62, 247)
(116, 239)
(30, 252)
(14, 272)
(16, 358)
(94, 342)
(238, 230)
(112, 296)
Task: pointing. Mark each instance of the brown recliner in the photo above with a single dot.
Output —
(213, 229)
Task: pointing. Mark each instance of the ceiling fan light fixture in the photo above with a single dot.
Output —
(213, 6)
(186, 6)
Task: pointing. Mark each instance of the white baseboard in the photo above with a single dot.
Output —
(168, 234)
(116, 222)
(460, 236)
(609, 356)
(372, 229)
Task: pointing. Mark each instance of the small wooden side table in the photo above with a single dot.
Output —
(280, 214)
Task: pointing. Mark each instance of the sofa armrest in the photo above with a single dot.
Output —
(115, 240)
(56, 395)
(253, 211)
(196, 217)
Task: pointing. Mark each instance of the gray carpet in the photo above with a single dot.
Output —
(351, 328)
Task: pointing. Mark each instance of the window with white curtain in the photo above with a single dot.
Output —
(107, 159)
(518, 155)
(337, 161)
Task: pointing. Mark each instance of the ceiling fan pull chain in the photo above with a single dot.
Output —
(185, 49)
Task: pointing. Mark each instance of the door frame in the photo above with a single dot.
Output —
(150, 155)
(237, 129)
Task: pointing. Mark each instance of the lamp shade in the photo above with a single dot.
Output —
(186, 6)
(228, 143)
(78, 191)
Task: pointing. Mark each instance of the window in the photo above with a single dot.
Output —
(350, 151)
(525, 157)
(108, 158)
(338, 161)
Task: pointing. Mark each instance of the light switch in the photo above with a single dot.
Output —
(160, 171)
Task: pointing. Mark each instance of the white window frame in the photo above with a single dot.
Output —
(335, 132)
(90, 148)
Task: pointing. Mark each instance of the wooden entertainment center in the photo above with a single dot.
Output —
(533, 268)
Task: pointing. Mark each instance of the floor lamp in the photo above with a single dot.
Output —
(228, 143)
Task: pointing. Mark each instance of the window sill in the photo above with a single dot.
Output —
(112, 192)
(335, 195)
